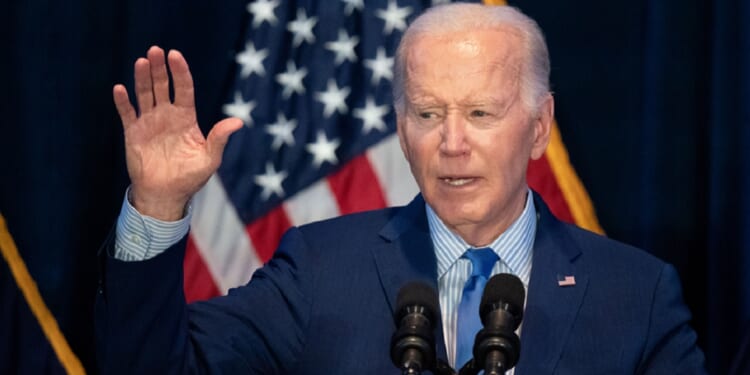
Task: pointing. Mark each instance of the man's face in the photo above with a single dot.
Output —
(465, 132)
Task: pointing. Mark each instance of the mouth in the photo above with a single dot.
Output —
(457, 181)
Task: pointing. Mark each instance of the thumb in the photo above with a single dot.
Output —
(219, 135)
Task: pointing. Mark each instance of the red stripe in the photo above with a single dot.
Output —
(543, 181)
(199, 285)
(265, 233)
(356, 187)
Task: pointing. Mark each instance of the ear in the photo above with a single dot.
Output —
(542, 127)
(400, 124)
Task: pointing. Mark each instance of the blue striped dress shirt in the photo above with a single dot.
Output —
(513, 247)
(142, 237)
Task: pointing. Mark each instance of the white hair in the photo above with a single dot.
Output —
(457, 17)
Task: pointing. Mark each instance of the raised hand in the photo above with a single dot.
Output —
(167, 156)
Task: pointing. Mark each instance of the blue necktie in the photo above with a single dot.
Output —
(469, 323)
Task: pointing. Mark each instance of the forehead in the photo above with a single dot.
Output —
(486, 55)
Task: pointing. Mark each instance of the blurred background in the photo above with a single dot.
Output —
(652, 100)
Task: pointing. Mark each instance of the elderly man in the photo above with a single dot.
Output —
(473, 107)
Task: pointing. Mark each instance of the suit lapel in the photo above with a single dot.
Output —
(406, 255)
(551, 309)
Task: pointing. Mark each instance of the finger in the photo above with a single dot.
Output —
(183, 81)
(144, 88)
(159, 75)
(219, 135)
(124, 108)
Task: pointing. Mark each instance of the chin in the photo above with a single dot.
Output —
(454, 214)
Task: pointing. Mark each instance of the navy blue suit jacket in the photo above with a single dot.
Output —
(324, 305)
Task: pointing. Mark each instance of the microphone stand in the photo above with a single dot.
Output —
(471, 368)
(441, 368)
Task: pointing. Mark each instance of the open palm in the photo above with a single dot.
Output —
(167, 156)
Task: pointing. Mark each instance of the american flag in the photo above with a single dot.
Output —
(313, 89)
(566, 280)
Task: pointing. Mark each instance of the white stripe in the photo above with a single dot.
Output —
(220, 237)
(314, 203)
(393, 172)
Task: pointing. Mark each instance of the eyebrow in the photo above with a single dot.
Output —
(471, 102)
(494, 101)
(422, 99)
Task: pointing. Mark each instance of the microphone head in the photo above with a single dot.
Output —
(417, 293)
(503, 291)
(413, 343)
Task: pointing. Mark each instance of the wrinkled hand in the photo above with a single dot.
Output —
(167, 156)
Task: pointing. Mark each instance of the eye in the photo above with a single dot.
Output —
(427, 115)
(478, 113)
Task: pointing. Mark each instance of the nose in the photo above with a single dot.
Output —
(454, 136)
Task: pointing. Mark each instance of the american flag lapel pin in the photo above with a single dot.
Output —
(568, 280)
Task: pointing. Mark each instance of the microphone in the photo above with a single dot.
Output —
(497, 347)
(413, 344)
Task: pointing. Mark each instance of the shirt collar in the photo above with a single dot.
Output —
(514, 246)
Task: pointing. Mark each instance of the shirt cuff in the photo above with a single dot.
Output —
(141, 237)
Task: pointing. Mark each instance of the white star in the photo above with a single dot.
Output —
(372, 116)
(302, 28)
(394, 17)
(333, 99)
(263, 10)
(344, 47)
(292, 80)
(381, 66)
(240, 108)
(271, 182)
(351, 5)
(323, 150)
(251, 60)
(281, 131)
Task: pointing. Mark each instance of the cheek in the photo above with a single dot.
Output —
(419, 147)
(506, 155)
(411, 154)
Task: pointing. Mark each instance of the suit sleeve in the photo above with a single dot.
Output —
(144, 326)
(671, 345)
